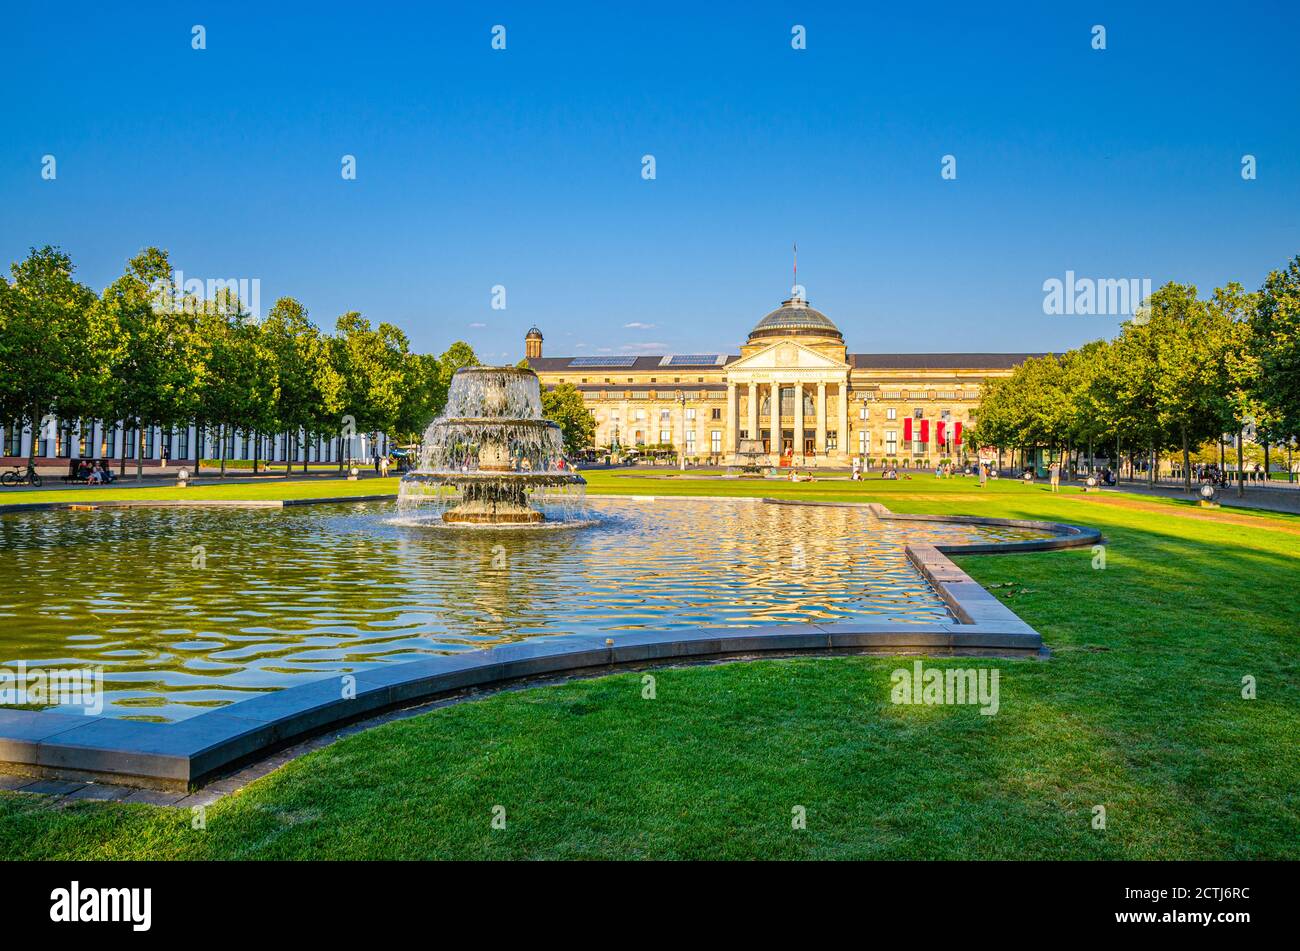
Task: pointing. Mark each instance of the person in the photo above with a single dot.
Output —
(984, 474)
(96, 476)
(383, 467)
(1055, 470)
(857, 472)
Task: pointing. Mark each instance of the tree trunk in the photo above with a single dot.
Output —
(257, 446)
(221, 454)
(36, 432)
(139, 452)
(1241, 464)
(1187, 464)
(1266, 475)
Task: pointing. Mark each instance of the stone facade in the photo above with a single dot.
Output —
(795, 386)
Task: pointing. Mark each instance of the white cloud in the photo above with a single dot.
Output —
(644, 347)
(478, 325)
(637, 325)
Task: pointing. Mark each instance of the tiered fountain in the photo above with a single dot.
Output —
(491, 459)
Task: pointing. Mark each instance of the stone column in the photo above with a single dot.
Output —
(775, 416)
(842, 436)
(798, 419)
(821, 418)
(733, 416)
(753, 410)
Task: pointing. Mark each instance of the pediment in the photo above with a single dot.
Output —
(786, 355)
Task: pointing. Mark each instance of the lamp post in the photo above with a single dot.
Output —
(681, 447)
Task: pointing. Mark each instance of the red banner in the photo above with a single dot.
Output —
(938, 432)
(907, 429)
(956, 433)
(925, 431)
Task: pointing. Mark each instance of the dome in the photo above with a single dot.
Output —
(533, 332)
(794, 316)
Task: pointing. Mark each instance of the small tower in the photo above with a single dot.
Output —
(533, 344)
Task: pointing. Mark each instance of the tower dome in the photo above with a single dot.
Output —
(795, 318)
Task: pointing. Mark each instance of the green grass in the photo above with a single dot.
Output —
(1139, 710)
(270, 490)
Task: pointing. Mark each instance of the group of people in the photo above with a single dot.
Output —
(90, 471)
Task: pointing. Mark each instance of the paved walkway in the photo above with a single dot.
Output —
(1258, 497)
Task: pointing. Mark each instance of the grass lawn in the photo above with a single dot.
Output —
(269, 490)
(1139, 710)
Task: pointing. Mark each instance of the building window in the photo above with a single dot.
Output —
(891, 413)
(13, 439)
(108, 441)
(665, 437)
(863, 413)
(183, 443)
(832, 439)
(918, 413)
(640, 416)
(891, 442)
(665, 415)
(690, 441)
(715, 413)
(864, 442)
(690, 415)
(715, 442)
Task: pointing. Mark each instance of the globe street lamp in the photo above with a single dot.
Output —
(681, 448)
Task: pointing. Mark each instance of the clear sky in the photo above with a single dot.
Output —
(523, 167)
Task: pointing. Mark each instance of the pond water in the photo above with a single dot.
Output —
(190, 609)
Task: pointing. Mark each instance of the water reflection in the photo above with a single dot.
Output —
(187, 609)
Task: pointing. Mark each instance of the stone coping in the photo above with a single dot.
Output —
(185, 754)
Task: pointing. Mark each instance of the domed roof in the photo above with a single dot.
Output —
(794, 316)
(533, 332)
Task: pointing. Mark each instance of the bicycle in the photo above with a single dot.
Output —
(17, 477)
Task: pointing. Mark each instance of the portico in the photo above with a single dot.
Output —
(793, 376)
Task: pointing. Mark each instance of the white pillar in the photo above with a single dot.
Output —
(733, 417)
(798, 418)
(842, 435)
(753, 410)
(775, 417)
(821, 418)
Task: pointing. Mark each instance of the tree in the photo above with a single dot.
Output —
(155, 376)
(1274, 340)
(237, 386)
(372, 365)
(563, 404)
(309, 384)
(56, 345)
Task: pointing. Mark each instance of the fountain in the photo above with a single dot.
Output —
(752, 457)
(491, 459)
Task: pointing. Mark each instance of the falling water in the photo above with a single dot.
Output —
(491, 459)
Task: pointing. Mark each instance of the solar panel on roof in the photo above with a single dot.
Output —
(602, 361)
(692, 360)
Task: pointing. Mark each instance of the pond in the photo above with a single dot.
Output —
(186, 609)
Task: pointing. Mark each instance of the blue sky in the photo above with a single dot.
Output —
(522, 167)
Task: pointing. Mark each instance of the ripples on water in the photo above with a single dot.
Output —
(287, 595)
